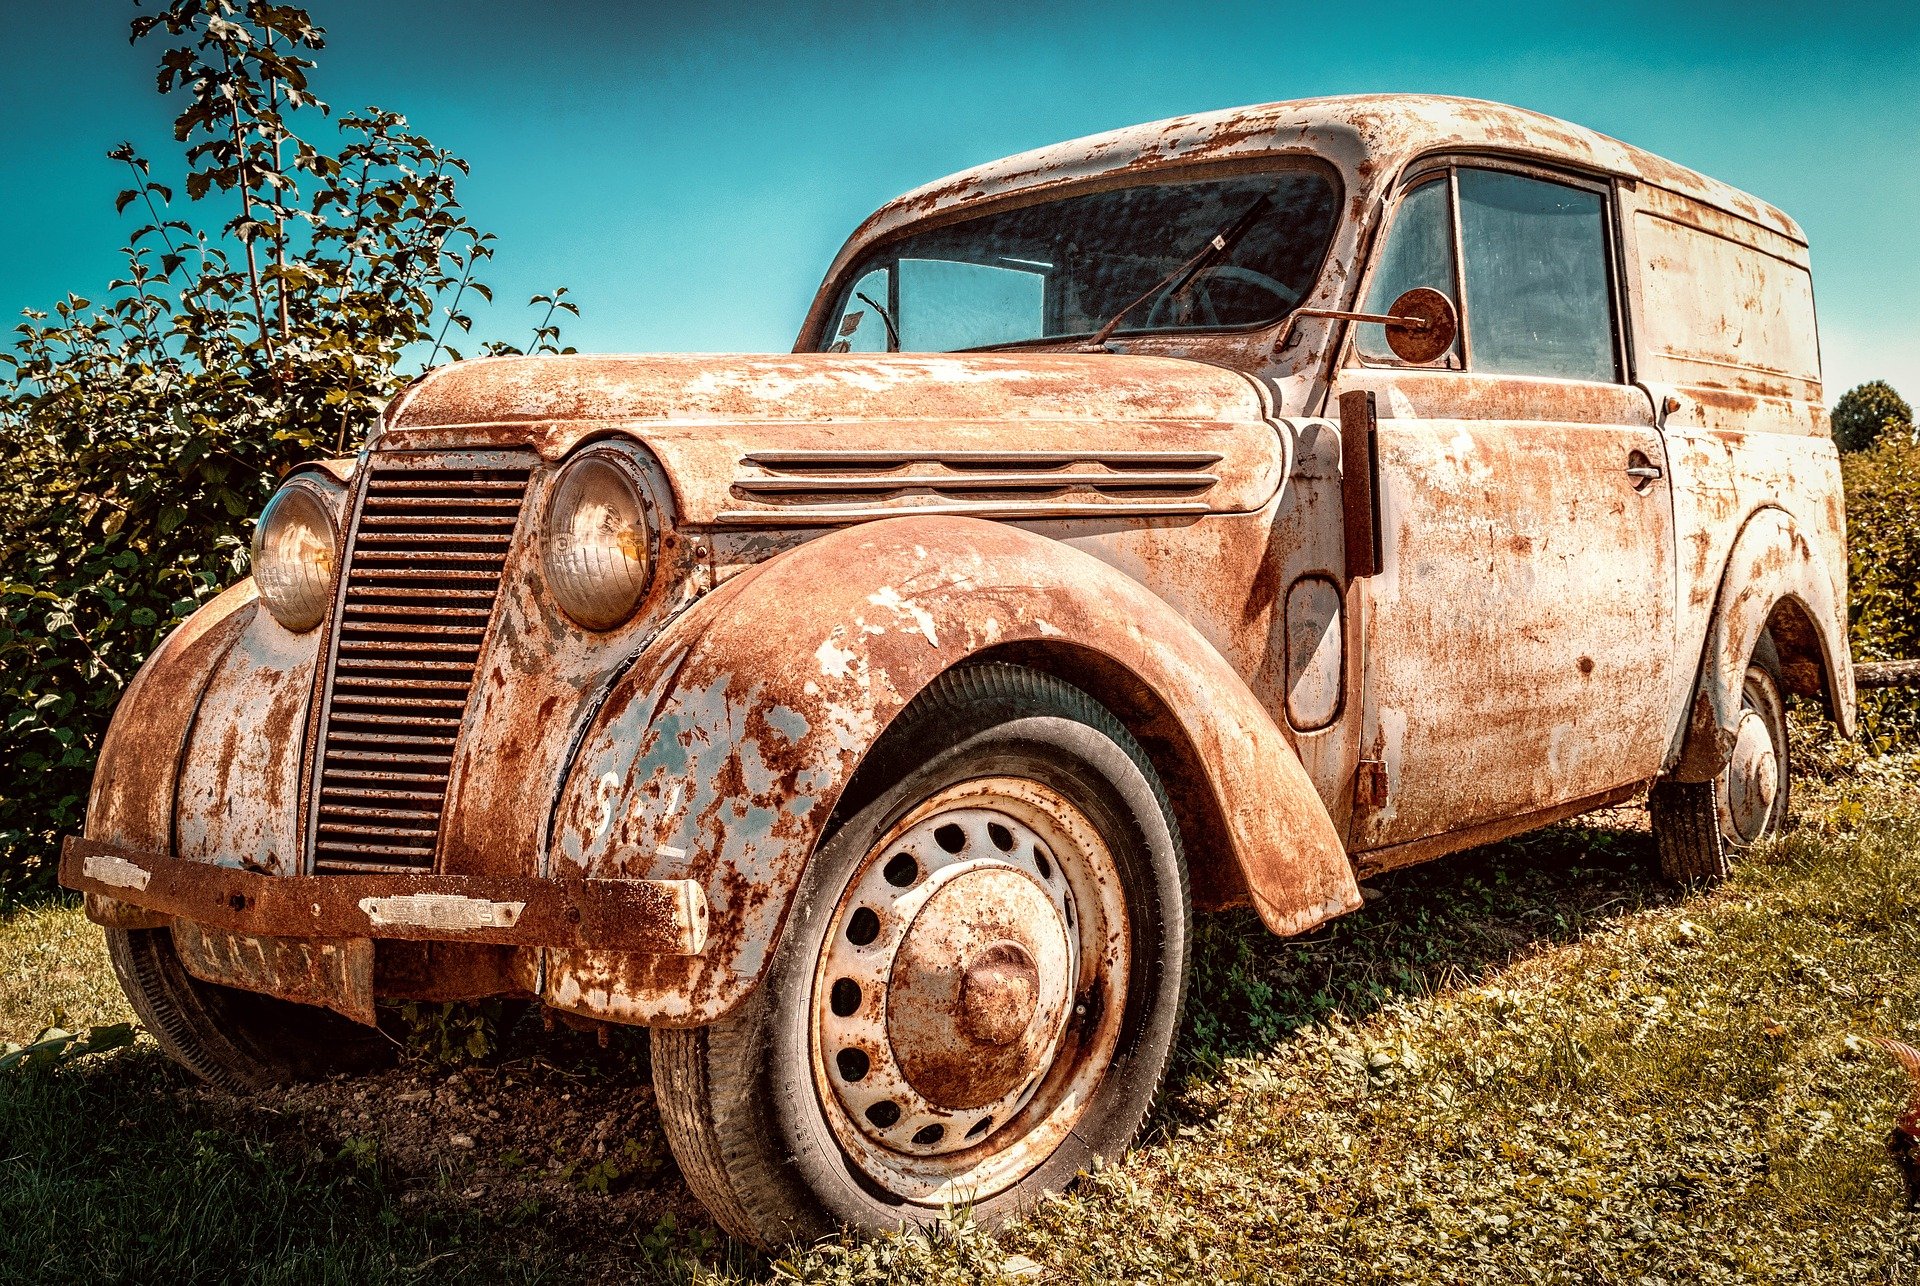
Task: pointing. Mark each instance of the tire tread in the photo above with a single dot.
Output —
(1686, 831)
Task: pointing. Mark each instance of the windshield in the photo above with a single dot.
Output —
(1063, 268)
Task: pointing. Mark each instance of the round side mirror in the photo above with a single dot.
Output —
(1427, 325)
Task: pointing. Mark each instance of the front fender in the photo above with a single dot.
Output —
(720, 756)
(131, 801)
(1772, 564)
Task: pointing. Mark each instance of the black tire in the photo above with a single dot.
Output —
(238, 1040)
(1695, 827)
(739, 1099)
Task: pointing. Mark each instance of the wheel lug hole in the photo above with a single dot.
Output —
(853, 1064)
(844, 999)
(863, 926)
(901, 871)
(1002, 837)
(885, 1114)
(929, 1135)
(950, 837)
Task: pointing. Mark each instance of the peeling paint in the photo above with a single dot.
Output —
(115, 872)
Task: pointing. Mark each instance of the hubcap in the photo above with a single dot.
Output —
(980, 984)
(969, 993)
(1752, 779)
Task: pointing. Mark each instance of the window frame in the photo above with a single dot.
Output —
(1435, 169)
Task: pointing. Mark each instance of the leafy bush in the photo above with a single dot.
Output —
(1883, 574)
(146, 429)
(455, 1033)
(1864, 414)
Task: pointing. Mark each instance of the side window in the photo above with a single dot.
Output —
(1537, 297)
(1419, 252)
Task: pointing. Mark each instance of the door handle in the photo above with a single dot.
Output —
(1643, 471)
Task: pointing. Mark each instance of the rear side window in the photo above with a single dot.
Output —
(1537, 296)
(1532, 263)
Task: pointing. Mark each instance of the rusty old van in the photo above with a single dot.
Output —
(1204, 514)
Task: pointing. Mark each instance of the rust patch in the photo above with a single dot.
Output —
(334, 973)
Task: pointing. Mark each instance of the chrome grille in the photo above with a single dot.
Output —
(421, 578)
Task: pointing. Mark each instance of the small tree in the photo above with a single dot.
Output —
(146, 430)
(1864, 413)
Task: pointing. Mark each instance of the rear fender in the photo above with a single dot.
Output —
(1776, 579)
(720, 756)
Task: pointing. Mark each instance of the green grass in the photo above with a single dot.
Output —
(1534, 1062)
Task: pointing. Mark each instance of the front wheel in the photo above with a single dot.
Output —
(1700, 827)
(978, 987)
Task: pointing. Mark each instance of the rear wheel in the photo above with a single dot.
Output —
(239, 1040)
(1700, 827)
(977, 989)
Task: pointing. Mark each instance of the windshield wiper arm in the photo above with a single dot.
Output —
(893, 335)
(1218, 244)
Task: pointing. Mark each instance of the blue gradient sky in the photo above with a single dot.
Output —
(689, 171)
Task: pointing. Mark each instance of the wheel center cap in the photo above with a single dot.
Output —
(1752, 779)
(999, 993)
(980, 988)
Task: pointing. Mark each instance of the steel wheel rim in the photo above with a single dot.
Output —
(991, 987)
(1750, 785)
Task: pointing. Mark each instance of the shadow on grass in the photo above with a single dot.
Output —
(546, 1166)
(121, 1170)
(1428, 928)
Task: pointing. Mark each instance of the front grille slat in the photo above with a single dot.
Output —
(428, 552)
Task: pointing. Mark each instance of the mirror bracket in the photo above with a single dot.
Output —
(1420, 326)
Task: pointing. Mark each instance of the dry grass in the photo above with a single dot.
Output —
(54, 973)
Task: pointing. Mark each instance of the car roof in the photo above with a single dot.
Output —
(1371, 136)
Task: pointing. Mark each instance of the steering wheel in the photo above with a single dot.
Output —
(1159, 316)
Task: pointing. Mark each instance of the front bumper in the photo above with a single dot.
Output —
(310, 938)
(660, 917)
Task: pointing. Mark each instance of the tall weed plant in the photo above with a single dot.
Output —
(286, 274)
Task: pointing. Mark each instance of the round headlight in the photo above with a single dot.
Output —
(598, 553)
(295, 552)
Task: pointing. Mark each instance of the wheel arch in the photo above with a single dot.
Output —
(1217, 880)
(136, 775)
(1774, 583)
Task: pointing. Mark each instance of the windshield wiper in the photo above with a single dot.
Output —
(1218, 244)
(893, 334)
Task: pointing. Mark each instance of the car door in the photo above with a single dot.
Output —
(1518, 637)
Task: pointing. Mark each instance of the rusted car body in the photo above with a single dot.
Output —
(1357, 611)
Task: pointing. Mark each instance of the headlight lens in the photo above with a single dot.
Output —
(598, 553)
(295, 549)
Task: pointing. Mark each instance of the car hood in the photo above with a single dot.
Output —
(811, 438)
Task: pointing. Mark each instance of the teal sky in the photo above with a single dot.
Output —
(689, 171)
